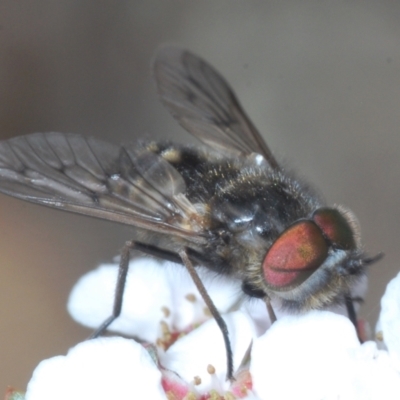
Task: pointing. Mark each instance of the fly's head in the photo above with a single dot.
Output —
(285, 244)
(315, 261)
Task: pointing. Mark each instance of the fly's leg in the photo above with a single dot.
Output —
(351, 312)
(350, 300)
(122, 274)
(119, 289)
(214, 312)
(182, 258)
(271, 312)
(260, 294)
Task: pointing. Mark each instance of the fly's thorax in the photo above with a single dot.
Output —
(256, 205)
(249, 211)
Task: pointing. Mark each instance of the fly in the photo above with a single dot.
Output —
(226, 205)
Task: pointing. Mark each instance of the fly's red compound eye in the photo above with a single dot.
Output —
(335, 227)
(295, 255)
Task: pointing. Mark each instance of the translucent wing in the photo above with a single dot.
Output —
(92, 177)
(204, 104)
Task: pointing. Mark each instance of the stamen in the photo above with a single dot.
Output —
(191, 297)
(207, 312)
(214, 395)
(164, 328)
(242, 385)
(166, 336)
(210, 369)
(230, 396)
(197, 380)
(190, 396)
(166, 311)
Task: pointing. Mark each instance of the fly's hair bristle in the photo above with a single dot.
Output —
(321, 291)
(352, 220)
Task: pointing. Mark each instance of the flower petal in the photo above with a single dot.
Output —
(147, 292)
(155, 291)
(389, 319)
(258, 312)
(191, 355)
(318, 356)
(105, 368)
(223, 291)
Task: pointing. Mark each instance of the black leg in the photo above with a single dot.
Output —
(119, 289)
(271, 312)
(214, 312)
(351, 312)
(122, 273)
(170, 256)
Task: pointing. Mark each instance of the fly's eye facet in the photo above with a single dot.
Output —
(335, 227)
(295, 255)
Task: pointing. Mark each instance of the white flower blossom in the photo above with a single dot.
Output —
(191, 355)
(155, 291)
(318, 356)
(104, 368)
(388, 327)
(315, 355)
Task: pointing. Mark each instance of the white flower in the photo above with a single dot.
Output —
(160, 303)
(104, 368)
(388, 327)
(190, 356)
(155, 292)
(318, 356)
(312, 356)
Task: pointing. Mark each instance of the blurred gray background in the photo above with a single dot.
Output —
(320, 79)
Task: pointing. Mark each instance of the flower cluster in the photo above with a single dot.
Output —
(178, 352)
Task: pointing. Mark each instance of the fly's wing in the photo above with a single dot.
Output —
(92, 177)
(204, 104)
